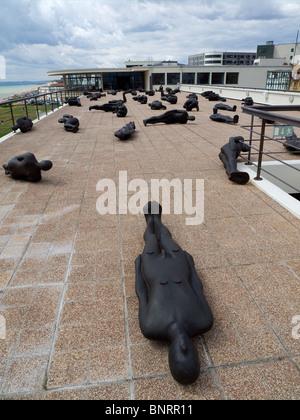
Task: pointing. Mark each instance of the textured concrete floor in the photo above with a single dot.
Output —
(67, 273)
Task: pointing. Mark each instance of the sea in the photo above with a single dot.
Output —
(8, 89)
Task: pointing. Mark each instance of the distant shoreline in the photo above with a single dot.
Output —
(14, 91)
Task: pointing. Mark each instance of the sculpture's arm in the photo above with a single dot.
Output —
(140, 286)
(194, 278)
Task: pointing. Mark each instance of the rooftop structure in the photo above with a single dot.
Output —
(222, 59)
(67, 285)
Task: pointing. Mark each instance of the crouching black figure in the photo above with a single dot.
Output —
(176, 116)
(172, 305)
(125, 132)
(156, 105)
(225, 118)
(24, 124)
(229, 154)
(121, 111)
(191, 103)
(74, 102)
(27, 167)
(70, 123)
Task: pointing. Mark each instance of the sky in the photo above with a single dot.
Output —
(37, 36)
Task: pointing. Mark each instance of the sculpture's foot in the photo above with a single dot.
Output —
(234, 108)
(236, 119)
(239, 177)
(152, 208)
(145, 123)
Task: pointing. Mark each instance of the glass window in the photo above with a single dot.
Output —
(173, 78)
(159, 78)
(202, 78)
(232, 78)
(217, 78)
(188, 78)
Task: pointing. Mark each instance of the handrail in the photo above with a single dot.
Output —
(32, 107)
(268, 115)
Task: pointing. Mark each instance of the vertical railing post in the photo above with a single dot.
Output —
(250, 143)
(12, 114)
(261, 150)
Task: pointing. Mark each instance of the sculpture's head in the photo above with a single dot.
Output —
(45, 165)
(184, 360)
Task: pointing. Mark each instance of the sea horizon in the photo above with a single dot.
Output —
(9, 89)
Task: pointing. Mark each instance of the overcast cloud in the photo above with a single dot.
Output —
(41, 35)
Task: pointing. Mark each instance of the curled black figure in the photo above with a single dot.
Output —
(225, 118)
(27, 167)
(248, 101)
(224, 107)
(121, 111)
(24, 124)
(229, 154)
(70, 123)
(172, 99)
(172, 305)
(176, 116)
(74, 102)
(156, 105)
(191, 103)
(125, 132)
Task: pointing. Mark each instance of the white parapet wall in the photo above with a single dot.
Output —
(260, 96)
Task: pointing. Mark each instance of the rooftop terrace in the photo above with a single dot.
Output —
(67, 286)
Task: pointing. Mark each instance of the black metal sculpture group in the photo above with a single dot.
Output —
(172, 305)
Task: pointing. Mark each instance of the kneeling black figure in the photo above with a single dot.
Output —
(24, 124)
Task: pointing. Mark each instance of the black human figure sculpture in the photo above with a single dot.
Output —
(225, 118)
(176, 116)
(70, 123)
(212, 96)
(74, 102)
(125, 132)
(190, 104)
(172, 305)
(172, 99)
(121, 111)
(156, 105)
(292, 143)
(248, 101)
(224, 107)
(24, 124)
(150, 92)
(229, 154)
(27, 167)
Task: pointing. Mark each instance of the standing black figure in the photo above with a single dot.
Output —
(229, 154)
(170, 293)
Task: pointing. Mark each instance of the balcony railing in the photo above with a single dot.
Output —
(265, 146)
(33, 107)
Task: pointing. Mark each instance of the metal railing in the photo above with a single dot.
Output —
(269, 117)
(33, 107)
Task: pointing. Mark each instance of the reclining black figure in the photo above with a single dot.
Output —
(224, 107)
(27, 167)
(70, 123)
(190, 104)
(176, 116)
(224, 118)
(172, 305)
(292, 143)
(24, 124)
(156, 105)
(229, 154)
(125, 132)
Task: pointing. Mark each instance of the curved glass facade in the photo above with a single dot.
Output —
(83, 81)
